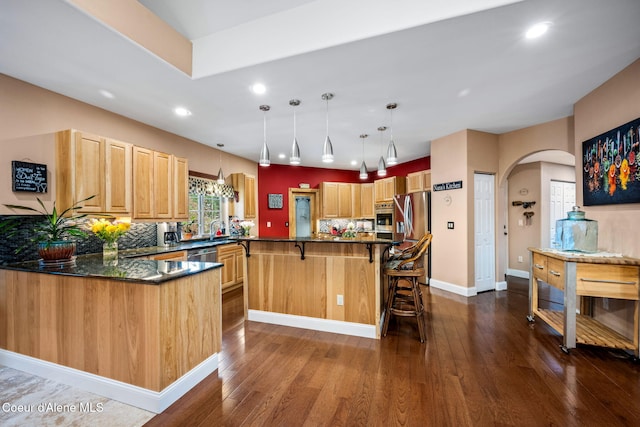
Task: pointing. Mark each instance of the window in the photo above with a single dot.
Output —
(203, 210)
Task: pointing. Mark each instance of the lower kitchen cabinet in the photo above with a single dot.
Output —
(232, 258)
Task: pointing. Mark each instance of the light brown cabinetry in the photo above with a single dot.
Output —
(386, 188)
(160, 185)
(418, 181)
(168, 256)
(126, 180)
(117, 177)
(345, 200)
(180, 188)
(232, 272)
(581, 278)
(90, 165)
(245, 206)
(338, 200)
(329, 196)
(367, 205)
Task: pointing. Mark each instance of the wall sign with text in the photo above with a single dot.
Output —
(30, 177)
(453, 185)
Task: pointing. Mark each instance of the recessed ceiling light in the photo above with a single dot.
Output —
(537, 30)
(181, 111)
(464, 92)
(281, 156)
(354, 162)
(258, 88)
(106, 94)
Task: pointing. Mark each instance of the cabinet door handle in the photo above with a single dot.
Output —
(539, 267)
(586, 279)
(555, 273)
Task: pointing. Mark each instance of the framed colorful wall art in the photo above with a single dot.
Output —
(611, 166)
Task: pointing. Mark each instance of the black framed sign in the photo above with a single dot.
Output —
(30, 177)
(275, 201)
(611, 166)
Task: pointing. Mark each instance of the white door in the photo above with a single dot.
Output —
(484, 239)
(562, 200)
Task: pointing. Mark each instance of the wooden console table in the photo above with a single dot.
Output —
(585, 276)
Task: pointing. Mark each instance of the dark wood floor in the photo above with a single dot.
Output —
(483, 365)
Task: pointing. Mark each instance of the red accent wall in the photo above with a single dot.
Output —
(277, 179)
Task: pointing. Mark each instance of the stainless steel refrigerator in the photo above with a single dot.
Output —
(412, 215)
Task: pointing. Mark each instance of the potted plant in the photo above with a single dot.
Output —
(188, 229)
(52, 232)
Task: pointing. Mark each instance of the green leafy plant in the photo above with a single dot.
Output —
(53, 226)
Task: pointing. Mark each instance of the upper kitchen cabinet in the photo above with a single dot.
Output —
(419, 181)
(337, 200)
(180, 188)
(160, 185)
(386, 188)
(367, 198)
(245, 205)
(90, 165)
(345, 200)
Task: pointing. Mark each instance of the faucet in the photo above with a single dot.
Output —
(214, 224)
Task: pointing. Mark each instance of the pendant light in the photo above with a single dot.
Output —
(382, 168)
(392, 155)
(327, 149)
(363, 167)
(220, 179)
(264, 153)
(294, 158)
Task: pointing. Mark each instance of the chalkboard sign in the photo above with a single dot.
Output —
(30, 177)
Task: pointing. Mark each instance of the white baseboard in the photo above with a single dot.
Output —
(143, 398)
(523, 274)
(501, 286)
(450, 287)
(315, 324)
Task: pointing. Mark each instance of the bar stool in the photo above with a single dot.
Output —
(405, 296)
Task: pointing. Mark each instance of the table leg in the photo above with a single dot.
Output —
(569, 335)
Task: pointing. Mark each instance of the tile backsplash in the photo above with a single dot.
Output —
(139, 236)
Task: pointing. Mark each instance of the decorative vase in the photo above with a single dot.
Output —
(110, 251)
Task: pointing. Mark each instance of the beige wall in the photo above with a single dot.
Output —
(614, 103)
(521, 237)
(31, 115)
(516, 145)
(449, 163)
(453, 158)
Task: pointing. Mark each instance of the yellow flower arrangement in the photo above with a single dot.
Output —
(109, 231)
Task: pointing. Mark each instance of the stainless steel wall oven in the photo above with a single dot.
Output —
(384, 220)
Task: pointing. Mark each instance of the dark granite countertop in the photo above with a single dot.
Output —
(328, 239)
(182, 246)
(125, 269)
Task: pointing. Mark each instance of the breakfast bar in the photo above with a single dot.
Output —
(143, 332)
(329, 284)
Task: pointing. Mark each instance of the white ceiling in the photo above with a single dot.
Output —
(510, 82)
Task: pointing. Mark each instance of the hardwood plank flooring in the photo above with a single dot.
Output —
(483, 365)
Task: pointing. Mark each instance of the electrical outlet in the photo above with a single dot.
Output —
(450, 225)
(340, 299)
(520, 223)
(520, 258)
(268, 224)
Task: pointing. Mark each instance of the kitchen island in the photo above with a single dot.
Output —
(327, 284)
(139, 331)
